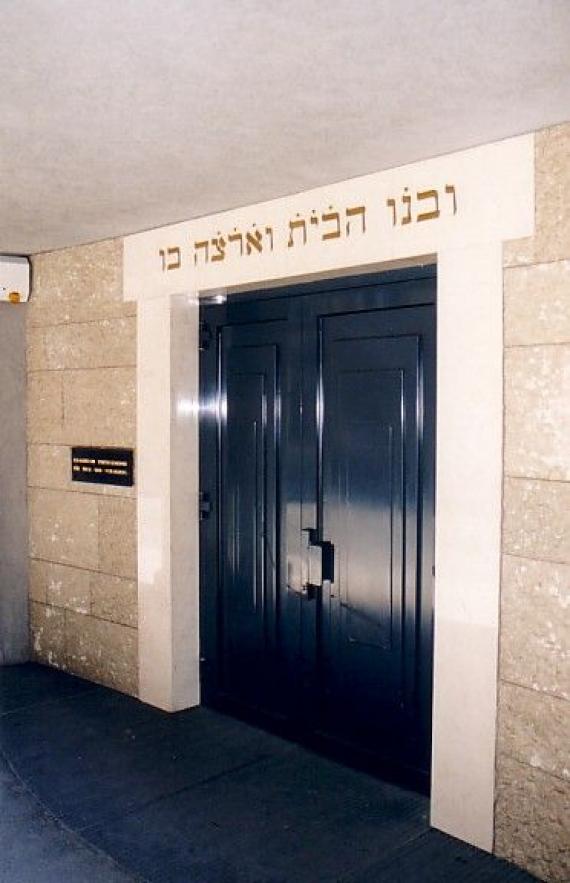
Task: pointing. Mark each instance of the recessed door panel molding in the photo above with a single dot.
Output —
(248, 501)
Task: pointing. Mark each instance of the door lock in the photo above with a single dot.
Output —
(318, 564)
(310, 591)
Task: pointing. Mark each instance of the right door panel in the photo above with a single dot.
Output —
(372, 468)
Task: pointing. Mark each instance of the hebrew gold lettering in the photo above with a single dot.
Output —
(450, 188)
(407, 200)
(331, 216)
(352, 213)
(300, 223)
(421, 196)
(236, 237)
(173, 264)
(219, 243)
(204, 244)
(434, 213)
(253, 241)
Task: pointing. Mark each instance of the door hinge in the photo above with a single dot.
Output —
(205, 336)
(204, 505)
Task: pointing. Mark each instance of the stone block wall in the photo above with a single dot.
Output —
(533, 760)
(81, 363)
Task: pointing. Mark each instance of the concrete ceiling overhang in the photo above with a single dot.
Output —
(121, 115)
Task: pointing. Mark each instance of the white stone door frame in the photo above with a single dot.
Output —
(468, 494)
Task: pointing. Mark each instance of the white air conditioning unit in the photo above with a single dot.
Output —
(14, 279)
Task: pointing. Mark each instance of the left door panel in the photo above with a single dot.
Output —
(253, 528)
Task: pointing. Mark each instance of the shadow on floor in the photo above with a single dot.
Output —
(99, 787)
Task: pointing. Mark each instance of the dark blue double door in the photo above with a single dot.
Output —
(317, 473)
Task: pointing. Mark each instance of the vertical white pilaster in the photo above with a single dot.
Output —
(468, 539)
(167, 480)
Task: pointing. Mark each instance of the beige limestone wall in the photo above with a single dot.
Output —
(533, 760)
(81, 362)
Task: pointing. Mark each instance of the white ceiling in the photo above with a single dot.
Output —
(121, 115)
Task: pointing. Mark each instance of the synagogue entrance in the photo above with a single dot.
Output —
(317, 502)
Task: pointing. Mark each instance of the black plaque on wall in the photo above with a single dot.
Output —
(103, 465)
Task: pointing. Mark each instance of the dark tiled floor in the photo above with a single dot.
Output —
(95, 786)
(35, 848)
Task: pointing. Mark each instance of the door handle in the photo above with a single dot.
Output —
(318, 563)
(307, 590)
